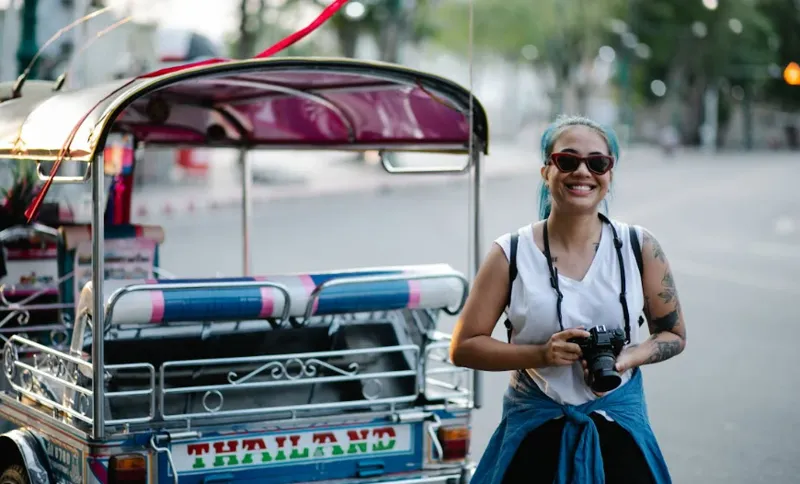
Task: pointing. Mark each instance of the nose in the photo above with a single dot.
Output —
(583, 169)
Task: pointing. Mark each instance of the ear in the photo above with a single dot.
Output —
(543, 172)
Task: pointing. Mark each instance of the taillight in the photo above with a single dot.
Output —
(455, 442)
(127, 469)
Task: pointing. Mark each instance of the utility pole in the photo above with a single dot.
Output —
(27, 42)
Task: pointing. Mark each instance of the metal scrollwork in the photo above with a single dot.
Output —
(58, 337)
(51, 364)
(213, 408)
(10, 358)
(84, 404)
(26, 379)
(293, 369)
(378, 386)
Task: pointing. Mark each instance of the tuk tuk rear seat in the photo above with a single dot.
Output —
(223, 303)
(185, 358)
(132, 253)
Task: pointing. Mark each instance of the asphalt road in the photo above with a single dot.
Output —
(724, 411)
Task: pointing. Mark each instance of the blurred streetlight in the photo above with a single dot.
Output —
(658, 87)
(711, 4)
(607, 54)
(792, 74)
(699, 29)
(355, 10)
(530, 52)
(643, 51)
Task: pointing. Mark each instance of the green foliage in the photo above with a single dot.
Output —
(24, 188)
(721, 51)
(785, 19)
(564, 32)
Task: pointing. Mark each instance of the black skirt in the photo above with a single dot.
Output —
(536, 459)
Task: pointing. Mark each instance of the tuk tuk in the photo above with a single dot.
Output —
(333, 377)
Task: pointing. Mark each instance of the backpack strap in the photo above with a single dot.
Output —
(637, 252)
(512, 275)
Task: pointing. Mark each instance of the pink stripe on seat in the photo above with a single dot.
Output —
(157, 301)
(308, 284)
(267, 301)
(414, 294)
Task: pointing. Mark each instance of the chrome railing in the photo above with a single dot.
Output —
(441, 379)
(282, 371)
(62, 382)
(234, 386)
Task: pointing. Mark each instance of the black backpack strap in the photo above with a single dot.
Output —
(512, 275)
(637, 252)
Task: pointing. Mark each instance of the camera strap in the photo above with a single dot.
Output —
(554, 276)
(637, 252)
(512, 275)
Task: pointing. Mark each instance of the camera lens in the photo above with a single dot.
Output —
(604, 377)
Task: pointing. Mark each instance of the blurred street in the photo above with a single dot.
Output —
(724, 411)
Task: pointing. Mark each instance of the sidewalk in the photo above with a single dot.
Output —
(309, 174)
(300, 174)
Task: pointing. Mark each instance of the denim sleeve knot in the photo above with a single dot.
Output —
(525, 408)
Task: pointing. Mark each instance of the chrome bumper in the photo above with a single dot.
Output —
(452, 476)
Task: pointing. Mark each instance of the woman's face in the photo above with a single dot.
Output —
(582, 190)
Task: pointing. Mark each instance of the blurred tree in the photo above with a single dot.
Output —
(692, 47)
(785, 18)
(557, 36)
(390, 22)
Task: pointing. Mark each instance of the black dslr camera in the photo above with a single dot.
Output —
(600, 350)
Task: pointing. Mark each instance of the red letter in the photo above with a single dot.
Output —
(324, 437)
(387, 431)
(198, 449)
(219, 447)
(253, 444)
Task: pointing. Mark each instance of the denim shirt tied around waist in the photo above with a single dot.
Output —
(526, 407)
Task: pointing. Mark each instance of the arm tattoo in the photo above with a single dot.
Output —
(658, 253)
(665, 323)
(664, 350)
(668, 293)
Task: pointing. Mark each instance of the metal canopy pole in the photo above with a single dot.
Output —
(476, 232)
(247, 208)
(98, 315)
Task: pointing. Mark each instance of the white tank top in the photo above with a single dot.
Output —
(590, 302)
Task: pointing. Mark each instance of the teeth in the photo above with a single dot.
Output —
(580, 188)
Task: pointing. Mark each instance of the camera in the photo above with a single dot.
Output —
(600, 350)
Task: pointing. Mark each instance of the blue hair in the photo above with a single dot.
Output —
(549, 138)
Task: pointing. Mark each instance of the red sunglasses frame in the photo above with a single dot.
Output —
(554, 157)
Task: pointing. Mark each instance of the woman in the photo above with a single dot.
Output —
(575, 270)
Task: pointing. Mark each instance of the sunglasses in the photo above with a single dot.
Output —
(569, 162)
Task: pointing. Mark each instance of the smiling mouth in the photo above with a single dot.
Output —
(580, 187)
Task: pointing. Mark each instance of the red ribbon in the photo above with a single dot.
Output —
(327, 13)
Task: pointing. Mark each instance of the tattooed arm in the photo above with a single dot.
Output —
(662, 309)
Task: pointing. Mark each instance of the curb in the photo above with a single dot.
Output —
(389, 184)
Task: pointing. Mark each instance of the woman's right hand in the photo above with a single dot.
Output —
(559, 352)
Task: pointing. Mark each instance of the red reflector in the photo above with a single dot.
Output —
(455, 442)
(455, 449)
(127, 469)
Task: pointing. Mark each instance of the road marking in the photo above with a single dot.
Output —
(696, 269)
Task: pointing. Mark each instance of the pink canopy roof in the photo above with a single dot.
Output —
(270, 103)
